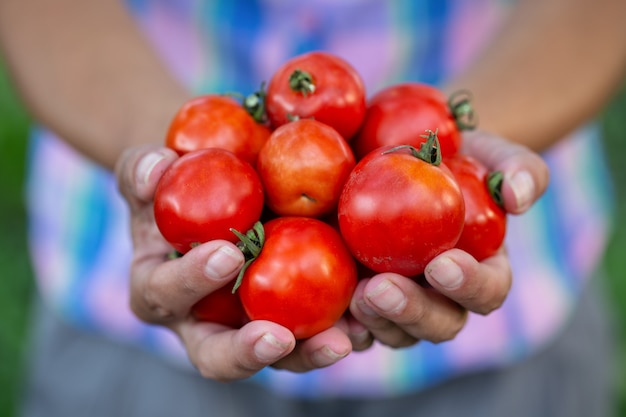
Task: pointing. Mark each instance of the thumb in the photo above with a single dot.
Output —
(525, 173)
(138, 171)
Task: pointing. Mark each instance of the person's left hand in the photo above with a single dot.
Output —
(398, 311)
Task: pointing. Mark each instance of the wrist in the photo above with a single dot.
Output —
(150, 123)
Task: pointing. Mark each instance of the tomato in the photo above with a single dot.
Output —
(399, 115)
(221, 306)
(400, 208)
(303, 167)
(216, 121)
(303, 278)
(485, 219)
(203, 194)
(317, 85)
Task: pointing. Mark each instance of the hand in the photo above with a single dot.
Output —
(164, 290)
(399, 312)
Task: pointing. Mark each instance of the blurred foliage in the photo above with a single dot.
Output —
(17, 283)
(614, 125)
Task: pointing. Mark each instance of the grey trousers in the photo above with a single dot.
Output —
(74, 374)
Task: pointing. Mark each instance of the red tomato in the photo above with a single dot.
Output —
(485, 219)
(215, 121)
(303, 278)
(317, 85)
(221, 306)
(205, 193)
(399, 115)
(397, 211)
(303, 167)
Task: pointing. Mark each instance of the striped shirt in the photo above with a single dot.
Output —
(79, 231)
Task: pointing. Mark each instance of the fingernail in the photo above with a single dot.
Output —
(446, 272)
(523, 187)
(147, 164)
(326, 356)
(269, 348)
(223, 262)
(387, 297)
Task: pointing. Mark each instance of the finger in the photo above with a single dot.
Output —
(138, 171)
(399, 312)
(319, 351)
(480, 287)
(360, 336)
(525, 173)
(165, 291)
(381, 328)
(225, 354)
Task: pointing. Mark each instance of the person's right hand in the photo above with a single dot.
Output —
(164, 290)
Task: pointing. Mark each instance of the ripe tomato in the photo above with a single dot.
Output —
(317, 85)
(303, 167)
(303, 277)
(221, 306)
(203, 194)
(399, 115)
(216, 121)
(397, 211)
(485, 219)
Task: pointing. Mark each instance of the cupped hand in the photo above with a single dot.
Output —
(398, 311)
(163, 290)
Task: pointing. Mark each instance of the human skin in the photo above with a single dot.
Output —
(66, 61)
(387, 307)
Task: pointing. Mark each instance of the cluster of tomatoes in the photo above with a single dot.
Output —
(318, 186)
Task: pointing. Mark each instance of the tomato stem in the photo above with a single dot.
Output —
(494, 185)
(302, 82)
(460, 103)
(250, 245)
(254, 104)
(429, 151)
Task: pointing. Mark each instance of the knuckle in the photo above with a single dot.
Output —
(493, 299)
(207, 371)
(406, 341)
(490, 305)
(483, 297)
(419, 312)
(382, 325)
(450, 331)
(147, 307)
(219, 367)
(204, 364)
(396, 339)
(473, 294)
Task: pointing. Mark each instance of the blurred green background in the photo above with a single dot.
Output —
(16, 274)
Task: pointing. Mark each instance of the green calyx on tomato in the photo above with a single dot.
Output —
(250, 245)
(254, 104)
(303, 264)
(302, 82)
(494, 185)
(460, 103)
(429, 151)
